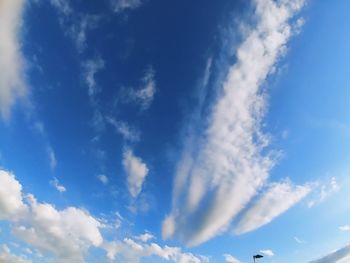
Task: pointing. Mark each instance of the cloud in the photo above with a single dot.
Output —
(12, 80)
(145, 94)
(344, 228)
(130, 251)
(66, 233)
(122, 5)
(75, 25)
(128, 132)
(299, 241)
(325, 191)
(267, 252)
(11, 202)
(52, 157)
(103, 178)
(136, 171)
(225, 168)
(59, 187)
(91, 67)
(231, 259)
(275, 201)
(8, 257)
(340, 255)
(145, 237)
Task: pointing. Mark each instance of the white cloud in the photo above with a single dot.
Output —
(103, 178)
(59, 187)
(128, 132)
(145, 237)
(224, 170)
(67, 233)
(275, 201)
(11, 202)
(130, 251)
(122, 5)
(91, 67)
(63, 6)
(12, 83)
(52, 157)
(145, 94)
(344, 228)
(298, 240)
(75, 25)
(7, 257)
(267, 252)
(136, 171)
(325, 191)
(231, 259)
(340, 255)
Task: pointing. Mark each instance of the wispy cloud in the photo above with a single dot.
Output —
(52, 157)
(91, 67)
(299, 241)
(231, 259)
(12, 63)
(344, 228)
(103, 179)
(122, 5)
(128, 132)
(145, 94)
(267, 252)
(136, 171)
(325, 190)
(219, 176)
(59, 187)
(340, 255)
(75, 25)
(273, 202)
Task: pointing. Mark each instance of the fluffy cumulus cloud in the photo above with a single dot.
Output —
(337, 256)
(136, 171)
(7, 257)
(66, 234)
(226, 167)
(12, 83)
(276, 200)
(11, 201)
(122, 5)
(231, 259)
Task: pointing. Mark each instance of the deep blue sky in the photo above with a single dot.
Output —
(219, 129)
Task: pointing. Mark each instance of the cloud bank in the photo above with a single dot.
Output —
(224, 170)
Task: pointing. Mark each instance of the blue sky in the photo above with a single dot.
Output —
(174, 131)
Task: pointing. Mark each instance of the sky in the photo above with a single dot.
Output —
(182, 131)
